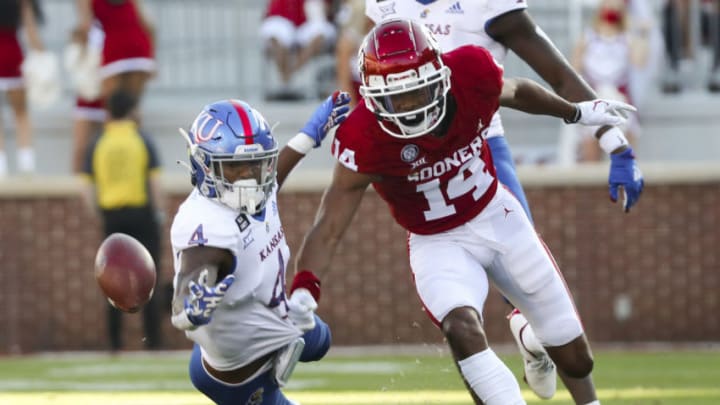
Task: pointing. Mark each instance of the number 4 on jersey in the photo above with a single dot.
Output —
(197, 237)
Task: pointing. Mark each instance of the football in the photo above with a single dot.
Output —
(125, 272)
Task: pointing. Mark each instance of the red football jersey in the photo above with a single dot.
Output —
(431, 183)
(125, 37)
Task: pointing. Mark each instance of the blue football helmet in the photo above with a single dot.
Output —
(233, 155)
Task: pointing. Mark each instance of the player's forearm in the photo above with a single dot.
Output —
(530, 97)
(321, 241)
(337, 209)
(316, 253)
(287, 160)
(312, 264)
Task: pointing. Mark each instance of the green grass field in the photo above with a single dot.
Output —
(658, 378)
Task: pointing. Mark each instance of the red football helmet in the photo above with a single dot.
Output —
(404, 80)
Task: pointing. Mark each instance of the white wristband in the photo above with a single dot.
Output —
(612, 139)
(182, 322)
(301, 143)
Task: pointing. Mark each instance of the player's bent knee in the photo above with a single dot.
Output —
(463, 325)
(581, 368)
(317, 341)
(574, 359)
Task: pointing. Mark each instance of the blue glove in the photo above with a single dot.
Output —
(625, 173)
(330, 113)
(202, 302)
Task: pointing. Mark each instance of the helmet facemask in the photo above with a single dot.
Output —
(404, 79)
(243, 181)
(413, 103)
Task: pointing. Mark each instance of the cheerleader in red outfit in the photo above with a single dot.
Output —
(14, 15)
(128, 57)
(83, 62)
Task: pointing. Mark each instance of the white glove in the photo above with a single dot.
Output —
(601, 112)
(301, 309)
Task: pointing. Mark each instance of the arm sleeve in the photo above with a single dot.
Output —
(474, 67)
(492, 71)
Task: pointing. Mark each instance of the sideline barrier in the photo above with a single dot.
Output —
(650, 275)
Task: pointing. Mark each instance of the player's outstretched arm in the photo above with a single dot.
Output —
(337, 208)
(201, 285)
(530, 97)
(517, 31)
(325, 119)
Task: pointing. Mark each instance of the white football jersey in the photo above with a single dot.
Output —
(251, 320)
(454, 23)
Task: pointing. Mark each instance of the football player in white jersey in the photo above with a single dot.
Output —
(419, 139)
(499, 25)
(230, 256)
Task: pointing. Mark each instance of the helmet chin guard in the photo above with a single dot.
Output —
(244, 195)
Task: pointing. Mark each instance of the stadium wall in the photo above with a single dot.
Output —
(651, 275)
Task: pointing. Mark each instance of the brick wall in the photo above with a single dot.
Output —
(663, 258)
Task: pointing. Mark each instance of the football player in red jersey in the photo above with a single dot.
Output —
(418, 138)
(501, 26)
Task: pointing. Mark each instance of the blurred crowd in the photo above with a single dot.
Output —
(688, 28)
(626, 49)
(110, 49)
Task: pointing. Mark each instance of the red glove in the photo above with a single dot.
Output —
(307, 280)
